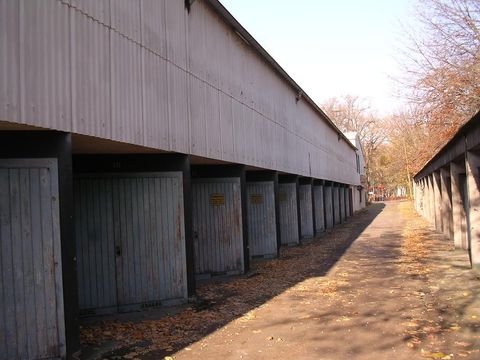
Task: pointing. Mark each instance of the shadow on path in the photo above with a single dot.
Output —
(158, 333)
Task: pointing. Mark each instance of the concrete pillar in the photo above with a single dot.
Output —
(431, 198)
(419, 195)
(341, 195)
(328, 204)
(424, 198)
(472, 165)
(459, 223)
(306, 208)
(336, 204)
(415, 196)
(319, 207)
(437, 193)
(446, 202)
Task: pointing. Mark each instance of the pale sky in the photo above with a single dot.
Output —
(333, 47)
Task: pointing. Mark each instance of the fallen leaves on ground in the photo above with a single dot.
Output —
(218, 303)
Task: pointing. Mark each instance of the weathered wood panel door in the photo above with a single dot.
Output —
(262, 227)
(31, 289)
(217, 226)
(130, 241)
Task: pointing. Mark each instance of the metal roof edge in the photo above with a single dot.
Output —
(454, 137)
(245, 35)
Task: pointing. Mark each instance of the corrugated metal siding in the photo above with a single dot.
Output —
(130, 240)
(328, 197)
(9, 61)
(341, 193)
(150, 74)
(319, 208)
(44, 64)
(287, 202)
(336, 204)
(306, 211)
(91, 74)
(126, 90)
(262, 230)
(31, 290)
(217, 226)
(95, 9)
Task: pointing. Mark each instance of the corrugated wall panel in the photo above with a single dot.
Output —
(130, 240)
(91, 106)
(154, 26)
(45, 94)
(178, 109)
(96, 9)
(287, 201)
(239, 131)
(262, 230)
(213, 126)
(31, 289)
(126, 89)
(226, 127)
(198, 136)
(197, 53)
(328, 196)
(125, 18)
(319, 208)
(336, 204)
(155, 101)
(306, 211)
(176, 32)
(250, 135)
(9, 61)
(198, 47)
(217, 226)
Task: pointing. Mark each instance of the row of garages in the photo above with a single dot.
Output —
(95, 234)
(447, 190)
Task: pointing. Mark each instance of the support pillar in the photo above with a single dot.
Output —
(425, 198)
(438, 201)
(459, 223)
(472, 164)
(431, 200)
(446, 202)
(328, 204)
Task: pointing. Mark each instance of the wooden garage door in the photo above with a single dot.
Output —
(262, 227)
(217, 226)
(130, 237)
(31, 291)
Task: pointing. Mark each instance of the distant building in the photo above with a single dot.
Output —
(358, 196)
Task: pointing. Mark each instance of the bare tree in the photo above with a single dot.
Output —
(351, 113)
(445, 66)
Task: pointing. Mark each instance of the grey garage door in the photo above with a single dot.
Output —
(319, 208)
(287, 203)
(217, 226)
(306, 210)
(31, 291)
(262, 229)
(130, 240)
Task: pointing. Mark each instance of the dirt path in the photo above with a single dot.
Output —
(398, 292)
